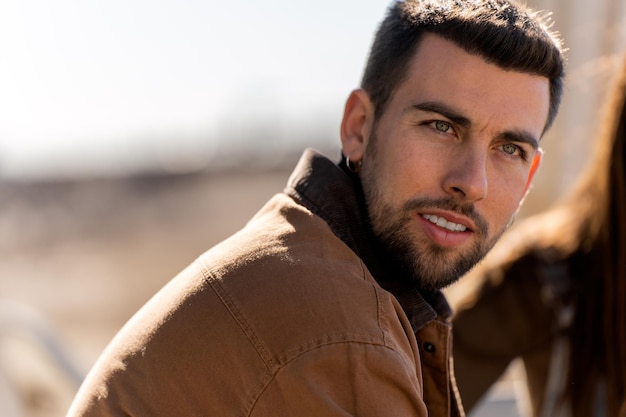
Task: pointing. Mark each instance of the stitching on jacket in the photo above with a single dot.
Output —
(236, 314)
(298, 350)
(379, 308)
(410, 369)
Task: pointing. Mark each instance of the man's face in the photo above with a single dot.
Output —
(448, 163)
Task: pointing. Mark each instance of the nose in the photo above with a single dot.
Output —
(466, 178)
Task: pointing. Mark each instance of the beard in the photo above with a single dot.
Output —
(430, 266)
(426, 264)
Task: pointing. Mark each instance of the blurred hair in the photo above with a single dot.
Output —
(502, 32)
(597, 204)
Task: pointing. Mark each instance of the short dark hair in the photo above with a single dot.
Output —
(502, 32)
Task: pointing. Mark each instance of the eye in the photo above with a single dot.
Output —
(514, 151)
(510, 149)
(442, 126)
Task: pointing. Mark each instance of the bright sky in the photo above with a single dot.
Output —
(84, 84)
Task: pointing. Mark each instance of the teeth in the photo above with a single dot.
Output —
(441, 222)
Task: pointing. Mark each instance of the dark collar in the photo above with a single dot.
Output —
(335, 195)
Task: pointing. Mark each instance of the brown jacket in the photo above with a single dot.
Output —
(282, 319)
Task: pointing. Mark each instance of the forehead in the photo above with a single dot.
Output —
(485, 93)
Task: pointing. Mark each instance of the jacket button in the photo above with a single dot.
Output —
(429, 347)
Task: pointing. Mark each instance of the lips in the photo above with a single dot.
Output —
(442, 222)
(445, 233)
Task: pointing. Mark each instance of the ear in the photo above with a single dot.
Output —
(356, 125)
(533, 169)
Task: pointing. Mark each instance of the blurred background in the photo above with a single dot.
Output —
(135, 134)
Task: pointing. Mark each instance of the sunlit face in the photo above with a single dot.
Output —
(448, 163)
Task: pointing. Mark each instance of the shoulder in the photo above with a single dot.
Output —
(287, 268)
(279, 292)
(283, 284)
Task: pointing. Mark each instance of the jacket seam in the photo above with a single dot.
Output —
(282, 365)
(237, 316)
(379, 307)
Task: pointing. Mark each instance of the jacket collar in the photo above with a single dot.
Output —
(335, 195)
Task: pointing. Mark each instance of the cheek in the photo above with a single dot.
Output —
(506, 192)
(405, 165)
(408, 172)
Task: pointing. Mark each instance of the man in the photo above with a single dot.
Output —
(327, 303)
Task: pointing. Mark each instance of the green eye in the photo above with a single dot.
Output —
(509, 149)
(442, 126)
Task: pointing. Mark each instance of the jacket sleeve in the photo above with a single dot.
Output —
(506, 319)
(344, 379)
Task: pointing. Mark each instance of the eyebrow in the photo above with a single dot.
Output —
(519, 136)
